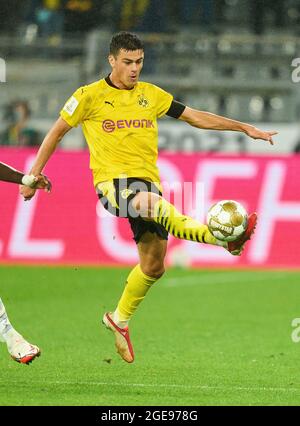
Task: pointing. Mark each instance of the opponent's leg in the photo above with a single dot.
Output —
(152, 250)
(19, 349)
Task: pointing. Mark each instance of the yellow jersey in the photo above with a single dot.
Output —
(120, 127)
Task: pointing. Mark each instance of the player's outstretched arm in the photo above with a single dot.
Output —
(9, 174)
(48, 146)
(209, 121)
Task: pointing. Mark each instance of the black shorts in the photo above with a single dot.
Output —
(116, 197)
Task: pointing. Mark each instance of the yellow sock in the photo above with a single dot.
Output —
(136, 287)
(181, 226)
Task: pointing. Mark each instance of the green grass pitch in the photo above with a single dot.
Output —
(201, 337)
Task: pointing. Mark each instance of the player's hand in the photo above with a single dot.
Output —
(42, 182)
(255, 133)
(32, 183)
(26, 192)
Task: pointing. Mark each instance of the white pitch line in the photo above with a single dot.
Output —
(200, 387)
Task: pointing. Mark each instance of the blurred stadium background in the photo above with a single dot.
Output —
(231, 57)
(236, 58)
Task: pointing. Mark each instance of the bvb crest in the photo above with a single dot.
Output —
(143, 101)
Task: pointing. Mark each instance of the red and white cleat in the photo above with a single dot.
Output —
(122, 339)
(236, 247)
(22, 351)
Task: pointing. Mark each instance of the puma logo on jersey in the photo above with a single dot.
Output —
(125, 193)
(110, 103)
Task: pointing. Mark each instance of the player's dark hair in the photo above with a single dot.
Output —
(126, 41)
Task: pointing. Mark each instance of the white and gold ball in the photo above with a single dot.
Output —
(227, 220)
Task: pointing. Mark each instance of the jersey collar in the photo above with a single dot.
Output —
(111, 84)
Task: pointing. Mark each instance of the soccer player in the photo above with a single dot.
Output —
(19, 349)
(119, 115)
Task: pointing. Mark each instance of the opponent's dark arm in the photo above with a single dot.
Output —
(9, 174)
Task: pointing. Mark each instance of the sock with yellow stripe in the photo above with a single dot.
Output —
(137, 285)
(182, 226)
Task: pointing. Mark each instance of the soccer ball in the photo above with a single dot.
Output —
(227, 220)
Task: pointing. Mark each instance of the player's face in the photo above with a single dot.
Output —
(126, 67)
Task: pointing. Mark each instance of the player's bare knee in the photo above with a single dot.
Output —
(143, 203)
(139, 203)
(154, 270)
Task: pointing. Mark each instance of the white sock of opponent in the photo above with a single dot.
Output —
(7, 332)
